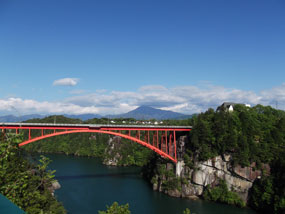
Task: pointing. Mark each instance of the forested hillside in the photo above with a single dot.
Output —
(249, 135)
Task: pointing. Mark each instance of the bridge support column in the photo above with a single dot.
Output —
(157, 139)
(166, 149)
(179, 167)
(174, 141)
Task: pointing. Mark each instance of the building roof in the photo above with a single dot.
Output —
(227, 105)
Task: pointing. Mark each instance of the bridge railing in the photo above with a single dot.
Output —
(161, 139)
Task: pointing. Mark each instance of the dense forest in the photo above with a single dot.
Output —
(249, 135)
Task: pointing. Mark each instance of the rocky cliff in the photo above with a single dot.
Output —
(122, 152)
(181, 180)
(55, 185)
(112, 154)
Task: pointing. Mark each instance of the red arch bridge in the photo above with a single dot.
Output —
(160, 139)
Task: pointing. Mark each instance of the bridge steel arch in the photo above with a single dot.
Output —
(163, 140)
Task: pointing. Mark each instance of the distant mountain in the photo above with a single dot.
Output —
(146, 113)
(14, 119)
(83, 116)
(140, 113)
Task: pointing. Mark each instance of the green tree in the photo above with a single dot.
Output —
(25, 184)
(187, 211)
(220, 193)
(115, 208)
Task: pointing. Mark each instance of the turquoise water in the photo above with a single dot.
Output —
(88, 186)
(7, 207)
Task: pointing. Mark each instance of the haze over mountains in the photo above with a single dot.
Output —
(140, 113)
(11, 118)
(146, 113)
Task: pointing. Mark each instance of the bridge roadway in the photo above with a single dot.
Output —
(92, 126)
(161, 139)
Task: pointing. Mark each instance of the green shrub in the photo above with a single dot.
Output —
(115, 208)
(220, 193)
(25, 184)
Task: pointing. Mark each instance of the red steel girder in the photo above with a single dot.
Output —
(165, 149)
(164, 154)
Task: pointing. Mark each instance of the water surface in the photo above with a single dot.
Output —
(88, 186)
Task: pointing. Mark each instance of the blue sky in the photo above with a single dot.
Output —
(110, 56)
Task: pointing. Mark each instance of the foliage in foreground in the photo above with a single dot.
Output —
(187, 211)
(25, 184)
(115, 208)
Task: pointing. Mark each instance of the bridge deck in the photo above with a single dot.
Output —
(161, 139)
(92, 126)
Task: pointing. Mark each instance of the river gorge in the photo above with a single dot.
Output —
(88, 186)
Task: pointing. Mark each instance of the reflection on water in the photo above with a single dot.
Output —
(133, 175)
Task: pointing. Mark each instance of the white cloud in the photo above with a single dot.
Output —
(31, 106)
(184, 99)
(66, 81)
(274, 96)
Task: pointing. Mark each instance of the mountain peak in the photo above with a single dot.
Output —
(145, 108)
(146, 112)
(143, 112)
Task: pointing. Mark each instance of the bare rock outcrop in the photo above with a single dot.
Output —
(112, 154)
(54, 186)
(191, 182)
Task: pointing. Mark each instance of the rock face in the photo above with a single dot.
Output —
(179, 168)
(54, 186)
(112, 156)
(209, 173)
(191, 182)
(181, 146)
